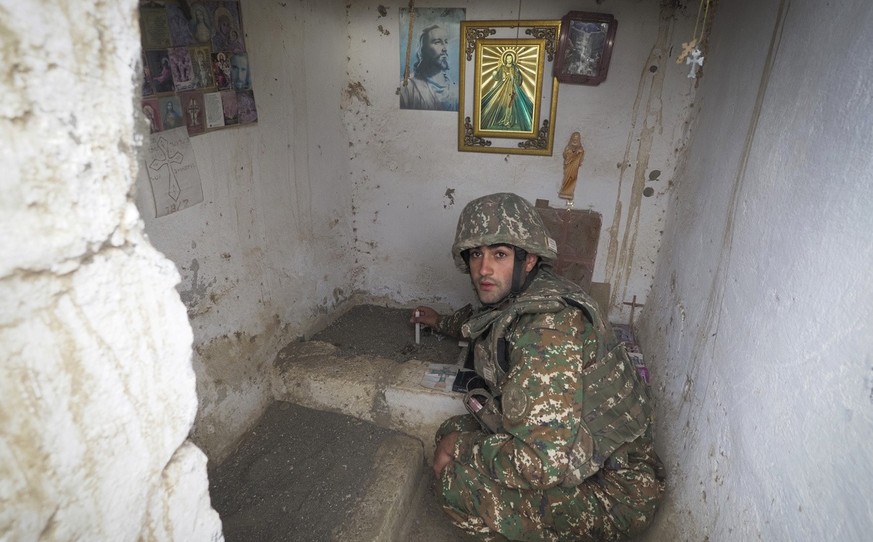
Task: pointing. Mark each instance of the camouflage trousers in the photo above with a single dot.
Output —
(617, 502)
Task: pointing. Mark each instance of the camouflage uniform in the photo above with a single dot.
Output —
(572, 455)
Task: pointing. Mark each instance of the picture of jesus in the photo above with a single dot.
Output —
(506, 106)
(507, 88)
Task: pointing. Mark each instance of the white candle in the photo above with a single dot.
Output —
(417, 329)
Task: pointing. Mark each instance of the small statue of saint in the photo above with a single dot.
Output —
(573, 155)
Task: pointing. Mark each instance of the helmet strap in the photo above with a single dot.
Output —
(465, 255)
(517, 269)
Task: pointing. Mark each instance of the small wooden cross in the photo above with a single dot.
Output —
(633, 305)
(687, 47)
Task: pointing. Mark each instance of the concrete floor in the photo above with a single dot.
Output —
(307, 475)
(343, 453)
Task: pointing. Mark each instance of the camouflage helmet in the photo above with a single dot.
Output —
(502, 218)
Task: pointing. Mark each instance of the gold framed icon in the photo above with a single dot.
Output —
(508, 97)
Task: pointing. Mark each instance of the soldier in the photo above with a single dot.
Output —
(558, 445)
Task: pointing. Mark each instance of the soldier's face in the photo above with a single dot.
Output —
(491, 271)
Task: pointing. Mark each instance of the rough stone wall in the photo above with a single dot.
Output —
(96, 387)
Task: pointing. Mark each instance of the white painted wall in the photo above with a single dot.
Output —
(336, 192)
(96, 388)
(403, 162)
(759, 325)
(757, 328)
(267, 255)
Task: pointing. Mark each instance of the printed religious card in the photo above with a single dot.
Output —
(192, 50)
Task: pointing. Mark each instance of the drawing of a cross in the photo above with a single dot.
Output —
(173, 189)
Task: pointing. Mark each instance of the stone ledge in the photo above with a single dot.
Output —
(383, 512)
(305, 474)
(314, 374)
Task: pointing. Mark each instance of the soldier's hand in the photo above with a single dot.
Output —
(426, 316)
(442, 456)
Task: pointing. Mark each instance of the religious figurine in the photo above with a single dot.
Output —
(573, 155)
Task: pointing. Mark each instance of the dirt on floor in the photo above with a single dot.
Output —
(295, 476)
(297, 472)
(371, 330)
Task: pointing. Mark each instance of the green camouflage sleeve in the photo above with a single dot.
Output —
(541, 398)
(451, 325)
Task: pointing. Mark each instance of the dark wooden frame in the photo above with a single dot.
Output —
(569, 70)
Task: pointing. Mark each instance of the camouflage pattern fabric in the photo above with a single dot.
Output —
(451, 325)
(502, 218)
(524, 483)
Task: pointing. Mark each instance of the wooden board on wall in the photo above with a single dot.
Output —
(577, 233)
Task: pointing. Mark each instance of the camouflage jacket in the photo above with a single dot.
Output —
(569, 396)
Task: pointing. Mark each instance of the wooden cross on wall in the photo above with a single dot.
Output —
(633, 305)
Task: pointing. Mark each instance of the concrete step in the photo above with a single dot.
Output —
(380, 390)
(365, 366)
(307, 475)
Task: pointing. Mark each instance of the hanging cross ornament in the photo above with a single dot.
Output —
(691, 53)
(687, 47)
(696, 61)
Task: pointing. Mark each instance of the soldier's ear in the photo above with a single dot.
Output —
(529, 262)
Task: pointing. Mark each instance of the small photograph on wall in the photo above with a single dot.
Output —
(148, 87)
(585, 47)
(221, 70)
(181, 66)
(202, 67)
(154, 26)
(200, 23)
(429, 55)
(161, 73)
(180, 28)
(194, 112)
(240, 76)
(151, 111)
(245, 101)
(226, 29)
(171, 112)
(214, 110)
(230, 108)
(190, 23)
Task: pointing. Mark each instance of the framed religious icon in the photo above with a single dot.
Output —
(585, 47)
(507, 96)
